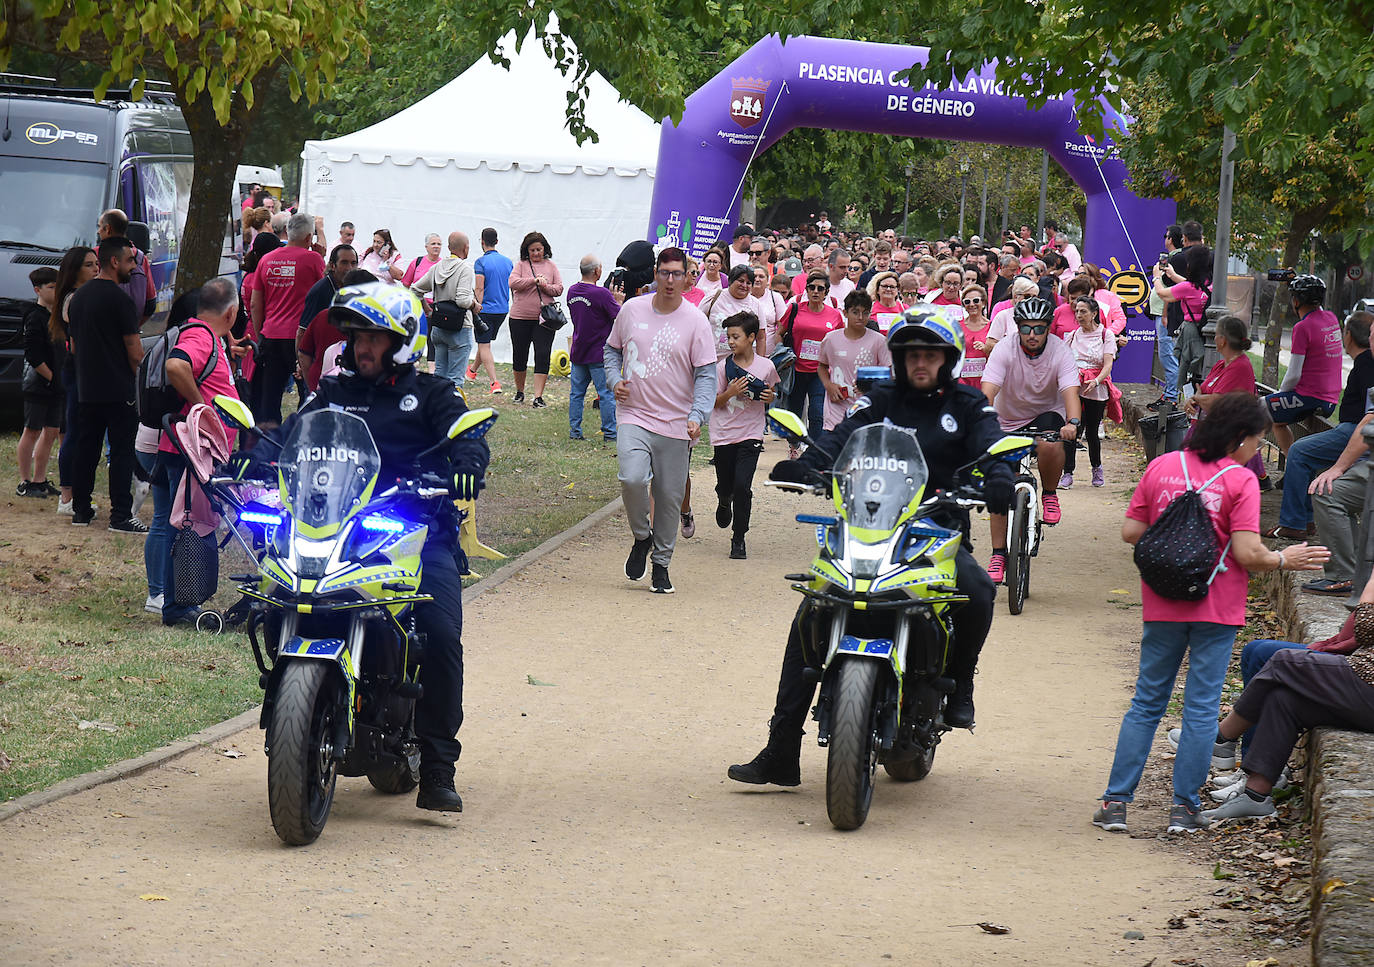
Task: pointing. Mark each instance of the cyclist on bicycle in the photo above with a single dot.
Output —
(1032, 382)
(954, 426)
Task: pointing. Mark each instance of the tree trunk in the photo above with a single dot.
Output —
(218, 148)
(1281, 312)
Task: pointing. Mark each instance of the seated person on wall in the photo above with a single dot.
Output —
(1319, 450)
(1337, 503)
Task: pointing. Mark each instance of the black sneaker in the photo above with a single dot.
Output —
(661, 583)
(737, 552)
(723, 515)
(82, 520)
(638, 559)
(437, 793)
(23, 489)
(131, 525)
(768, 767)
(538, 403)
(519, 396)
(959, 711)
(50, 490)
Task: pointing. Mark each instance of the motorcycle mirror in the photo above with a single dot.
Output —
(473, 425)
(234, 412)
(787, 424)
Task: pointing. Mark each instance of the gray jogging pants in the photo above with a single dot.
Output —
(652, 467)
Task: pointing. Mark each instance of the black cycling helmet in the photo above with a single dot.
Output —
(1308, 290)
(1034, 309)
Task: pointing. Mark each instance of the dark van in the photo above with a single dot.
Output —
(64, 159)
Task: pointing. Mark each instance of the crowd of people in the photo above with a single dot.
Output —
(1017, 336)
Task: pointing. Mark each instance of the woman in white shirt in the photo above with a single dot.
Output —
(1094, 350)
(382, 259)
(735, 297)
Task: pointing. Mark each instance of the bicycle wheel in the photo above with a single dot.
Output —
(1018, 551)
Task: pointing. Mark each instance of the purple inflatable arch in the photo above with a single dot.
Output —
(815, 82)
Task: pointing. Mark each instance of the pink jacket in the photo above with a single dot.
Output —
(206, 443)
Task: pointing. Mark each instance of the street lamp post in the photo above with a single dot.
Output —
(906, 202)
(983, 211)
(963, 194)
(1221, 254)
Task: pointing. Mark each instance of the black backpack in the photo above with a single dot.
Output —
(153, 393)
(1177, 555)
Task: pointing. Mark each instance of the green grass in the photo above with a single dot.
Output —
(1257, 357)
(75, 644)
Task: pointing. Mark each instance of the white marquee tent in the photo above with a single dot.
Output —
(491, 148)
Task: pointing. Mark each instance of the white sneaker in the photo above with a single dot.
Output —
(1241, 807)
(1223, 753)
(154, 604)
(65, 507)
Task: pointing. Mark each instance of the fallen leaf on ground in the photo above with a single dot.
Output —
(1334, 883)
(1132, 935)
(232, 754)
(1266, 962)
(5, 762)
(151, 897)
(995, 928)
(1118, 591)
(86, 725)
(1177, 923)
(534, 681)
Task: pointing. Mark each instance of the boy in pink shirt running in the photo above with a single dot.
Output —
(844, 351)
(744, 388)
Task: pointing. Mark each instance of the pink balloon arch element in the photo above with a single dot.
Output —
(813, 82)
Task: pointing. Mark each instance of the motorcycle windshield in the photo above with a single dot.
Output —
(328, 465)
(880, 470)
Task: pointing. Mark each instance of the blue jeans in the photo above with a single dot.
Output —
(452, 348)
(1253, 657)
(1164, 347)
(582, 373)
(1162, 647)
(157, 546)
(1307, 457)
(808, 386)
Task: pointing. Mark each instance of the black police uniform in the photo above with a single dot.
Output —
(954, 425)
(408, 412)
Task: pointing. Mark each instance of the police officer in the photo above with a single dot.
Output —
(954, 426)
(408, 412)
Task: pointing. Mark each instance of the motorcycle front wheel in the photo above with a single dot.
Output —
(853, 746)
(301, 770)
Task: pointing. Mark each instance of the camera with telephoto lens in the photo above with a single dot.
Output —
(1281, 275)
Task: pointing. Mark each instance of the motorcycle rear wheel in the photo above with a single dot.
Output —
(301, 771)
(1018, 556)
(853, 745)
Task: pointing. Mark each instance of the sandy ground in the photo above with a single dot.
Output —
(600, 827)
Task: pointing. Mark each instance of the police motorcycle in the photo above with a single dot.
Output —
(880, 607)
(331, 622)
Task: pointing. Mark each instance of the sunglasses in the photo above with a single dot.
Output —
(819, 287)
(1028, 330)
(973, 302)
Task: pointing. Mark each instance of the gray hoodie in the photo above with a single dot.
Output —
(451, 278)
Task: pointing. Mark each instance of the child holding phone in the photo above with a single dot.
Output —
(744, 388)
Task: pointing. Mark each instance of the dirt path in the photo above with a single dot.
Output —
(600, 827)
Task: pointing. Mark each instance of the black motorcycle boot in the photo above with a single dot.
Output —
(959, 711)
(779, 764)
(437, 793)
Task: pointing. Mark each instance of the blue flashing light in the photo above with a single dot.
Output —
(817, 519)
(260, 517)
(382, 523)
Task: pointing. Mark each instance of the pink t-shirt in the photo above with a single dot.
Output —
(974, 359)
(197, 342)
(285, 276)
(1188, 296)
(1232, 500)
(809, 329)
(1003, 327)
(660, 353)
(844, 356)
(694, 296)
(885, 316)
(741, 418)
(1030, 386)
(1317, 338)
(416, 270)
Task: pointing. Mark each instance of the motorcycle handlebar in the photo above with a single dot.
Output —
(796, 488)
